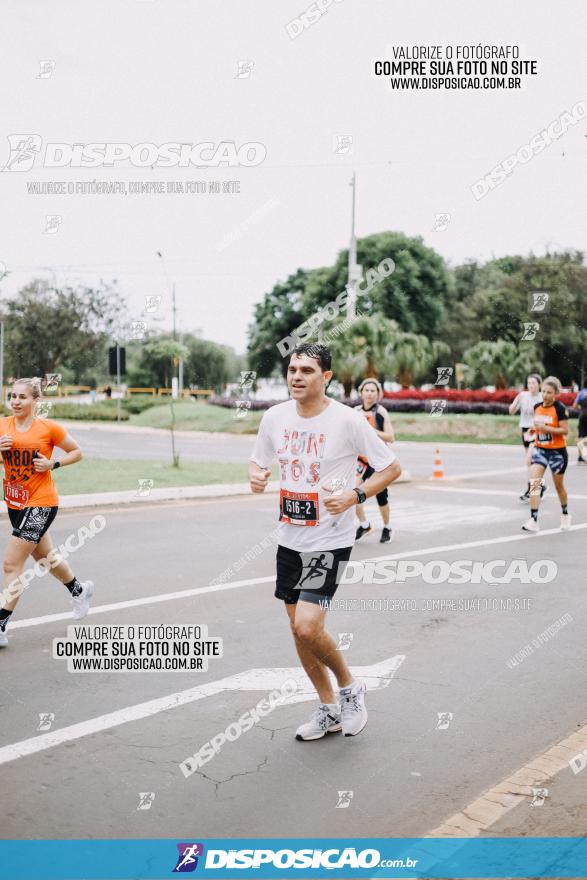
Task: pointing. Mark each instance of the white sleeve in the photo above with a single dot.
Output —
(368, 444)
(263, 451)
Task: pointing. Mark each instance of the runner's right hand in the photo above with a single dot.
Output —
(5, 442)
(258, 481)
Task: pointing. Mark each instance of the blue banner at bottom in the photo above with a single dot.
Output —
(294, 857)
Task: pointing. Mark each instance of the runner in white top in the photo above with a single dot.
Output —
(316, 441)
(524, 403)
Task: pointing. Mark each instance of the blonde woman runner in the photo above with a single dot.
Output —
(27, 443)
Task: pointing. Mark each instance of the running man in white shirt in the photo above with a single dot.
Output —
(316, 441)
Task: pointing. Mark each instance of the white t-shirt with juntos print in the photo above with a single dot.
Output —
(312, 454)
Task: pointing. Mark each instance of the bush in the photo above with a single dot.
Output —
(401, 404)
(505, 396)
(452, 406)
(99, 412)
(230, 403)
(138, 403)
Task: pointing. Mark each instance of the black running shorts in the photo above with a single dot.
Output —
(312, 575)
(31, 523)
(383, 496)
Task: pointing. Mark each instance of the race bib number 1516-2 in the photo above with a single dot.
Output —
(298, 508)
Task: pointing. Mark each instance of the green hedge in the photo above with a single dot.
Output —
(103, 411)
(99, 412)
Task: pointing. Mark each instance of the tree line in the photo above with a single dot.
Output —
(68, 330)
(427, 314)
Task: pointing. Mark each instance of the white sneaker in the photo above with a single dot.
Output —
(3, 639)
(326, 719)
(531, 525)
(352, 708)
(81, 603)
(565, 521)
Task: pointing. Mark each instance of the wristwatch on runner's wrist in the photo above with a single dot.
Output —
(361, 497)
(56, 464)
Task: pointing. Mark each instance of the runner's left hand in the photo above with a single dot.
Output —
(339, 501)
(42, 464)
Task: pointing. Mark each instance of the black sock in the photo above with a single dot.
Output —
(4, 618)
(564, 508)
(534, 515)
(74, 587)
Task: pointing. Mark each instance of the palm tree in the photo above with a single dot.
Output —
(358, 349)
(412, 355)
(501, 362)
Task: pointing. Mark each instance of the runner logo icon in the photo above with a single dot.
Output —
(315, 567)
(344, 641)
(344, 799)
(187, 860)
(538, 301)
(46, 719)
(23, 149)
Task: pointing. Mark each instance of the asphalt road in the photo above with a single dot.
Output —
(111, 442)
(406, 771)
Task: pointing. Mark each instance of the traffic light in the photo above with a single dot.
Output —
(112, 365)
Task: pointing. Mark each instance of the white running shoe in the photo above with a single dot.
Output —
(3, 639)
(352, 708)
(326, 719)
(565, 522)
(531, 525)
(81, 603)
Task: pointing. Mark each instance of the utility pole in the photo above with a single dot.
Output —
(354, 270)
(118, 378)
(174, 381)
(174, 310)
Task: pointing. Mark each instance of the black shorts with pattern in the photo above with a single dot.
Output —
(31, 523)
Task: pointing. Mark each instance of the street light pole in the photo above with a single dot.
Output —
(354, 270)
(180, 368)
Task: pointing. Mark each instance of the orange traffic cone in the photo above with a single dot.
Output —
(437, 473)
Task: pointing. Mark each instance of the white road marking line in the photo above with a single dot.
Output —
(478, 475)
(523, 536)
(413, 518)
(233, 585)
(486, 810)
(145, 600)
(376, 676)
(463, 490)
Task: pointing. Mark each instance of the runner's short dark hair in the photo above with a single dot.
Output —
(315, 350)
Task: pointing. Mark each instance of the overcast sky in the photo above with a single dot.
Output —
(136, 71)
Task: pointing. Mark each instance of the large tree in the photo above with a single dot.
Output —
(413, 294)
(206, 364)
(275, 317)
(491, 303)
(49, 328)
